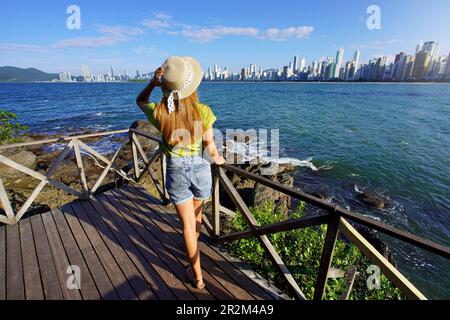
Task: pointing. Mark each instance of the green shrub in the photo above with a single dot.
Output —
(301, 251)
(9, 127)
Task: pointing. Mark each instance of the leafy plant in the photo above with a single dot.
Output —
(301, 251)
(9, 127)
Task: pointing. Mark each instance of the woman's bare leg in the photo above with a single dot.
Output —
(198, 206)
(186, 212)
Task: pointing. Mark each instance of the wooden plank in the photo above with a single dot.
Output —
(32, 277)
(50, 281)
(170, 217)
(59, 257)
(124, 251)
(140, 196)
(209, 264)
(100, 277)
(2, 263)
(216, 203)
(151, 253)
(5, 202)
(79, 161)
(87, 286)
(91, 217)
(145, 260)
(264, 240)
(166, 249)
(327, 256)
(15, 289)
(110, 265)
(174, 242)
(377, 258)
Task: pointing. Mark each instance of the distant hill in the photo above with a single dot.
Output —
(13, 74)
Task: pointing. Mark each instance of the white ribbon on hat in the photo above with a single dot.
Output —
(170, 98)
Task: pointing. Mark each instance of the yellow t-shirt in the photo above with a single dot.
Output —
(206, 116)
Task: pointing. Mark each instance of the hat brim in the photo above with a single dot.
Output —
(196, 79)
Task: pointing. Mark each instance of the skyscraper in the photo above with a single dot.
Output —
(112, 73)
(447, 68)
(356, 57)
(339, 61)
(86, 72)
(295, 67)
(432, 48)
(420, 65)
(302, 64)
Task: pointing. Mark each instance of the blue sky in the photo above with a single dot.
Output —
(140, 34)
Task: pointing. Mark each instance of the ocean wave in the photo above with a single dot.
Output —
(249, 152)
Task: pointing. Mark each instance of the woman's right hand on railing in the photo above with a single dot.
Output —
(219, 160)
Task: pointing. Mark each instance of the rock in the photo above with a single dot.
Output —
(25, 158)
(373, 199)
(146, 127)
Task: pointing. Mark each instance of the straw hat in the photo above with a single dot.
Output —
(182, 76)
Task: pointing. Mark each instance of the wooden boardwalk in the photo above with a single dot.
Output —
(126, 244)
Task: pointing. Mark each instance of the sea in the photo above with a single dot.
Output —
(392, 140)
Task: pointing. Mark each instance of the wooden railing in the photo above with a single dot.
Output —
(337, 219)
(75, 144)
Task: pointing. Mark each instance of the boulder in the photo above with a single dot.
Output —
(25, 158)
(373, 199)
(146, 127)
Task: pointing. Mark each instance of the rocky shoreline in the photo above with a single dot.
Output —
(20, 186)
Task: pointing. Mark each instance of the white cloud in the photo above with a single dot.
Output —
(16, 47)
(276, 34)
(164, 23)
(111, 35)
(204, 35)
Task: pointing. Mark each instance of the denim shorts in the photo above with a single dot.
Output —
(188, 178)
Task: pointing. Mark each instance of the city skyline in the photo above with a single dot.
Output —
(141, 36)
(426, 64)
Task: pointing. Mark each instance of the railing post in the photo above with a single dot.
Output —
(79, 162)
(327, 256)
(163, 173)
(135, 157)
(216, 201)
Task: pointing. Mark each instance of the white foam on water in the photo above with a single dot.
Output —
(250, 152)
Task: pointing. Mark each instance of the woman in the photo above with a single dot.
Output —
(184, 123)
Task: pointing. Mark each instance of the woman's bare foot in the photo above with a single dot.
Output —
(190, 276)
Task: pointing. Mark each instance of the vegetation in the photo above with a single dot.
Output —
(301, 251)
(9, 127)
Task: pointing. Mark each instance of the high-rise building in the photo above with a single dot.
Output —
(65, 77)
(295, 67)
(339, 61)
(356, 58)
(86, 72)
(420, 65)
(432, 48)
(447, 68)
(112, 73)
(419, 47)
(398, 65)
(302, 64)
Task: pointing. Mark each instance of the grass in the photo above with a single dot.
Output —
(301, 250)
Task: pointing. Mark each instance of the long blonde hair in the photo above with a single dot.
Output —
(184, 120)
